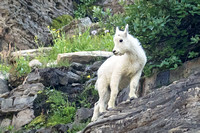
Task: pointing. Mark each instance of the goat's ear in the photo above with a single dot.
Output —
(126, 30)
(117, 29)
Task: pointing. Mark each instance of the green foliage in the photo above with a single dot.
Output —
(9, 129)
(193, 54)
(168, 30)
(82, 42)
(61, 21)
(107, 19)
(60, 111)
(88, 97)
(21, 67)
(4, 68)
(79, 127)
(83, 8)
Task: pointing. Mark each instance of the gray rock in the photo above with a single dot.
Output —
(35, 63)
(4, 75)
(84, 57)
(27, 90)
(20, 98)
(32, 53)
(173, 108)
(6, 122)
(148, 84)
(33, 77)
(6, 103)
(23, 117)
(73, 78)
(60, 128)
(123, 95)
(53, 77)
(77, 66)
(91, 81)
(83, 114)
(94, 67)
(85, 22)
(3, 86)
(22, 22)
(63, 77)
(21, 102)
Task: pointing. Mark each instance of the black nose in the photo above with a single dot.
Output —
(114, 51)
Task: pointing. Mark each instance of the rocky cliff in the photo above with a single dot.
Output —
(24, 21)
(173, 109)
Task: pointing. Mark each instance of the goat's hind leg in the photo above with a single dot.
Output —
(104, 95)
(134, 84)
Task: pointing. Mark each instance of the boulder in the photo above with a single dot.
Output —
(172, 108)
(95, 66)
(32, 53)
(24, 23)
(83, 114)
(22, 118)
(73, 78)
(148, 84)
(3, 86)
(79, 26)
(60, 128)
(4, 75)
(77, 66)
(19, 98)
(48, 77)
(84, 57)
(35, 63)
(5, 122)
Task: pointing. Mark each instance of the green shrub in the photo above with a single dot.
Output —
(83, 8)
(57, 110)
(167, 29)
(107, 19)
(88, 97)
(21, 67)
(61, 111)
(61, 21)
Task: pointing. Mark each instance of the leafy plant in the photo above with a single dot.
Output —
(61, 111)
(21, 67)
(107, 19)
(88, 97)
(57, 110)
(83, 8)
(193, 54)
(168, 30)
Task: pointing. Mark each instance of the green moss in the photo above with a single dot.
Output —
(38, 122)
(61, 21)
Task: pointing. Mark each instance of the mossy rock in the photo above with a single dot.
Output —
(61, 21)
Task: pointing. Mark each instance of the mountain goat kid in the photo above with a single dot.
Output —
(117, 72)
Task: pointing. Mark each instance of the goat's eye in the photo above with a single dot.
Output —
(120, 40)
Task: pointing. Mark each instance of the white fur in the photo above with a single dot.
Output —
(120, 70)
